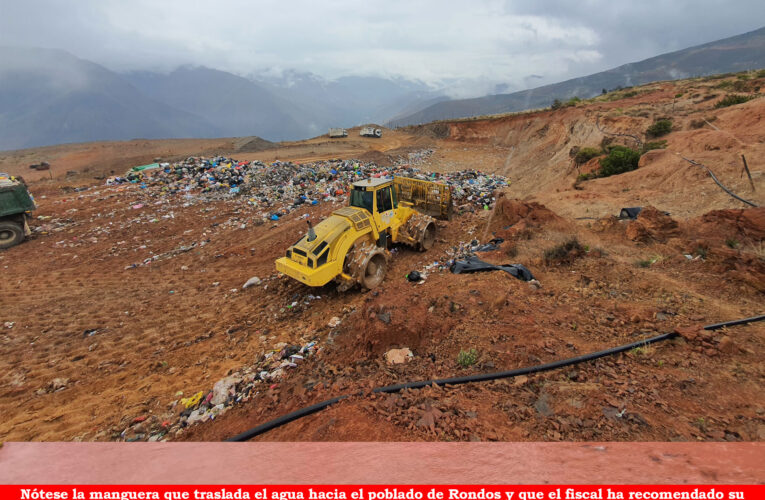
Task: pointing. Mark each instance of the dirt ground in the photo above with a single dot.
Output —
(97, 344)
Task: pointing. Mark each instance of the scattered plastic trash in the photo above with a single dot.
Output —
(193, 400)
(631, 213)
(223, 390)
(414, 276)
(254, 281)
(237, 387)
(488, 247)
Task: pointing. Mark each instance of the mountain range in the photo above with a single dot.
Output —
(50, 96)
(738, 53)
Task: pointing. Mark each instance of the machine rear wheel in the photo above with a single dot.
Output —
(10, 234)
(428, 237)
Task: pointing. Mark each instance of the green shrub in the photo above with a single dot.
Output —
(643, 263)
(732, 100)
(586, 154)
(659, 128)
(556, 104)
(725, 84)
(584, 177)
(741, 86)
(697, 123)
(653, 145)
(620, 159)
(467, 358)
(573, 101)
(564, 253)
(732, 242)
(761, 73)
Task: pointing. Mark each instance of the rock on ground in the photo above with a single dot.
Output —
(399, 356)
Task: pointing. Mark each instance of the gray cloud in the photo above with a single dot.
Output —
(479, 44)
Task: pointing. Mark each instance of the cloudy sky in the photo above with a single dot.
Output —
(521, 43)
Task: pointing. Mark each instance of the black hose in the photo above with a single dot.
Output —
(285, 419)
(480, 377)
(633, 137)
(753, 319)
(483, 377)
(714, 178)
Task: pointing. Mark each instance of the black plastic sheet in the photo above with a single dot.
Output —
(475, 265)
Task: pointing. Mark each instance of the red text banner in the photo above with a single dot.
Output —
(382, 492)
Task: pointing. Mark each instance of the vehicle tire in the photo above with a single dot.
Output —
(428, 237)
(374, 273)
(10, 234)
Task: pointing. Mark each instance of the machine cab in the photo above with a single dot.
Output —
(376, 196)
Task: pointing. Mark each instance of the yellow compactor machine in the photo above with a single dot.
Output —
(351, 245)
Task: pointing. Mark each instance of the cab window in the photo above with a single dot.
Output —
(384, 202)
(362, 199)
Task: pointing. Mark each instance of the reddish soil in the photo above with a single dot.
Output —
(652, 225)
(124, 341)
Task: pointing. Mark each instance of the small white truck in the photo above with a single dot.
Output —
(370, 132)
(337, 132)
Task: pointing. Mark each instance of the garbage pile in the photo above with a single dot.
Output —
(236, 388)
(280, 187)
(418, 157)
(219, 174)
